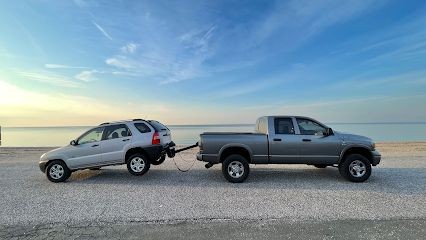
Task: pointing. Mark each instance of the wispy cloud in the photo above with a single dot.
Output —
(169, 62)
(87, 75)
(61, 66)
(102, 30)
(130, 48)
(50, 78)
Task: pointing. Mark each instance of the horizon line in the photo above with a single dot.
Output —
(220, 124)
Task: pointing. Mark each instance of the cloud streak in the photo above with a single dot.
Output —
(102, 30)
(49, 78)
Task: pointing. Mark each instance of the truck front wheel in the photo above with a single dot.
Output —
(355, 168)
(235, 168)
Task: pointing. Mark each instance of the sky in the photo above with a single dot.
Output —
(68, 63)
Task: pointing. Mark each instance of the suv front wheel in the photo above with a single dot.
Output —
(355, 168)
(138, 164)
(57, 171)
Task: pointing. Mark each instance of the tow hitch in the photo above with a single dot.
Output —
(171, 151)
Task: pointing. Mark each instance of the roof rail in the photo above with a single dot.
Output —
(137, 119)
(104, 123)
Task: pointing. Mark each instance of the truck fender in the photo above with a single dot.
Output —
(226, 146)
(352, 146)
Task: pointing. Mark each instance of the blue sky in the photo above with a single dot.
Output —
(199, 62)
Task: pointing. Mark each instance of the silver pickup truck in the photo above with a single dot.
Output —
(289, 140)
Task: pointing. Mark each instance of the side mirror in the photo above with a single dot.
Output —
(73, 143)
(328, 132)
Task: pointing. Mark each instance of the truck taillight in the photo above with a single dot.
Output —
(155, 138)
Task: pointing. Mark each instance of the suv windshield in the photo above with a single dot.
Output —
(158, 126)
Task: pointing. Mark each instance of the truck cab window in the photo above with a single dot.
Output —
(309, 127)
(283, 126)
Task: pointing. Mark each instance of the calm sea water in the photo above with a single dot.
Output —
(188, 134)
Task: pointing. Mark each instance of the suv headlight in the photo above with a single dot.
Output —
(373, 146)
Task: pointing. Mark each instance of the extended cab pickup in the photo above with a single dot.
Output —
(289, 140)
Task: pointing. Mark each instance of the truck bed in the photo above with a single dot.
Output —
(213, 143)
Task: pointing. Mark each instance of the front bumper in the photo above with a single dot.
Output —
(42, 166)
(376, 157)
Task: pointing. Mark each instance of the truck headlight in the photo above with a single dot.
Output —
(373, 145)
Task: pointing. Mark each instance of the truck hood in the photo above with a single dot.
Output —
(358, 139)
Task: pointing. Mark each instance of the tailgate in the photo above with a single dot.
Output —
(163, 131)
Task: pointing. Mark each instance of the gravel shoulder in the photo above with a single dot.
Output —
(394, 194)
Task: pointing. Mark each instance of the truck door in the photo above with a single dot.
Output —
(315, 148)
(283, 142)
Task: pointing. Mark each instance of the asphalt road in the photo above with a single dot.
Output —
(165, 198)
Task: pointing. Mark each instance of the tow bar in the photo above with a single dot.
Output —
(171, 153)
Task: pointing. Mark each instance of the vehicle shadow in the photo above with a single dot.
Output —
(390, 180)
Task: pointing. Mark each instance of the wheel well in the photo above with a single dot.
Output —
(48, 162)
(135, 150)
(358, 150)
(235, 150)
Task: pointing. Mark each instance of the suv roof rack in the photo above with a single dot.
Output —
(138, 119)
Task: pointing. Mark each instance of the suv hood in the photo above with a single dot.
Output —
(55, 152)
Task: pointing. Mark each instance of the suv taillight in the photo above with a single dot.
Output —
(155, 138)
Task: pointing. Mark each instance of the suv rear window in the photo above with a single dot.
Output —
(158, 126)
(142, 127)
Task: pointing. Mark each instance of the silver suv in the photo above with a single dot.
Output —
(137, 143)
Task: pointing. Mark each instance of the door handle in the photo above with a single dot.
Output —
(277, 139)
(124, 140)
(306, 140)
(96, 145)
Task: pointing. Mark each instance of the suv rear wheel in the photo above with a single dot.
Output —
(57, 171)
(159, 161)
(235, 168)
(355, 168)
(138, 164)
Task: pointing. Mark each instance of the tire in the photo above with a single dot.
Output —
(355, 168)
(138, 164)
(159, 161)
(57, 171)
(320, 166)
(235, 168)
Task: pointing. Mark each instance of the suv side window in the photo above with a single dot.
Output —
(309, 127)
(94, 135)
(117, 131)
(283, 126)
(142, 127)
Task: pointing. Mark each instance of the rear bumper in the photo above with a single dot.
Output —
(156, 151)
(376, 157)
(211, 158)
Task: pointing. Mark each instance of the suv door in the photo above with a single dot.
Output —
(115, 138)
(315, 147)
(283, 142)
(87, 150)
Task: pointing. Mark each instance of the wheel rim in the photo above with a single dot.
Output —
(137, 164)
(235, 169)
(56, 171)
(357, 168)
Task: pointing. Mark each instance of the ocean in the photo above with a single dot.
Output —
(189, 134)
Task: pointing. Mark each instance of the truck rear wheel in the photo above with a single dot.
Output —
(355, 168)
(235, 168)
